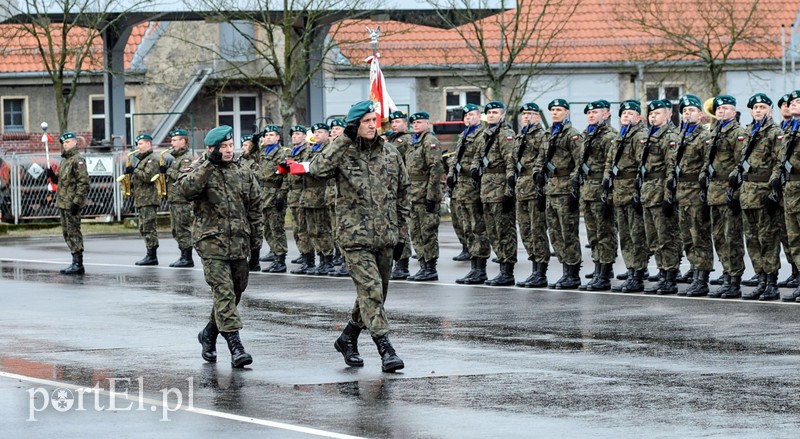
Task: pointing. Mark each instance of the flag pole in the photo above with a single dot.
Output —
(45, 139)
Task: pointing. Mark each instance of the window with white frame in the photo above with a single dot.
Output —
(240, 112)
(14, 115)
(672, 92)
(454, 101)
(97, 106)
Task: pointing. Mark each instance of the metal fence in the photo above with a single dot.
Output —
(25, 196)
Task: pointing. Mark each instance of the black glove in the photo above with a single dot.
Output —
(430, 206)
(397, 251)
(50, 173)
(512, 182)
(703, 183)
(772, 207)
(163, 169)
(279, 204)
(671, 184)
(74, 209)
(351, 131)
(776, 185)
(541, 203)
(508, 204)
(606, 184)
(215, 157)
(667, 209)
(735, 180)
(540, 179)
(451, 182)
(252, 263)
(475, 174)
(129, 170)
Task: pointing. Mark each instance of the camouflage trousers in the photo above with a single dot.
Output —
(370, 271)
(71, 229)
(301, 230)
(501, 227)
(563, 228)
(601, 232)
(533, 231)
(147, 226)
(697, 229)
(320, 233)
(726, 231)
(275, 230)
(792, 221)
(181, 217)
(424, 229)
(787, 249)
(457, 226)
(663, 238)
(632, 239)
(228, 280)
(762, 231)
(474, 226)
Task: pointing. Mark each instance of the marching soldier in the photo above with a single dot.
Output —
(423, 161)
(493, 169)
(337, 129)
(72, 185)
(179, 209)
(792, 280)
(227, 202)
(786, 115)
(299, 153)
(401, 139)
(250, 160)
(146, 196)
(312, 200)
(274, 190)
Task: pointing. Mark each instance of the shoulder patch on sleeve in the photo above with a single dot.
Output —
(780, 137)
(575, 137)
(187, 169)
(673, 144)
(81, 164)
(433, 146)
(186, 161)
(643, 141)
(509, 137)
(740, 138)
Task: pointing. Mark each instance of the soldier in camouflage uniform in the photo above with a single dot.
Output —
(250, 160)
(227, 224)
(725, 148)
(793, 281)
(274, 191)
(466, 195)
(494, 168)
(401, 139)
(601, 230)
(662, 231)
(690, 158)
(299, 153)
(368, 226)
(179, 209)
(337, 129)
(312, 200)
(146, 196)
(557, 173)
(72, 183)
(423, 160)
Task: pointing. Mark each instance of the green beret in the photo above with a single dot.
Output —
(218, 135)
(530, 106)
(689, 101)
(794, 95)
(604, 103)
(723, 100)
(470, 107)
(655, 105)
(397, 114)
(358, 111)
(338, 123)
(630, 104)
(297, 129)
(783, 100)
(320, 126)
(179, 132)
(273, 129)
(67, 135)
(494, 105)
(760, 98)
(419, 116)
(144, 136)
(558, 103)
(594, 105)
(245, 138)
(667, 103)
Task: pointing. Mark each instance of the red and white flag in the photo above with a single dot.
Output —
(377, 89)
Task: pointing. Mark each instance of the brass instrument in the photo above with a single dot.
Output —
(125, 179)
(708, 108)
(161, 179)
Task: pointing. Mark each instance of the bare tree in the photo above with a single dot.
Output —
(710, 33)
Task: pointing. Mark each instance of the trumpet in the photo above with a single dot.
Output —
(125, 179)
(161, 179)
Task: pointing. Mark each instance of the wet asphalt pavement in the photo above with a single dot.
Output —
(480, 361)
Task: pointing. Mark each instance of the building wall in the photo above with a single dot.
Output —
(578, 89)
(341, 93)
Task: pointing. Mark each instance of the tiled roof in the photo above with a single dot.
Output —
(18, 53)
(594, 33)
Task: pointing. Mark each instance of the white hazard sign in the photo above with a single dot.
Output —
(100, 165)
(35, 170)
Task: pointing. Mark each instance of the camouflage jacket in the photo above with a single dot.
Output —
(227, 210)
(693, 162)
(73, 180)
(764, 157)
(602, 143)
(295, 182)
(791, 190)
(465, 190)
(566, 157)
(535, 144)
(662, 145)
(729, 149)
(180, 160)
(145, 192)
(424, 165)
(314, 188)
(273, 185)
(499, 164)
(402, 141)
(629, 145)
(372, 205)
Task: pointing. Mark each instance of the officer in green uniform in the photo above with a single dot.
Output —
(368, 226)
(274, 190)
(72, 183)
(299, 153)
(312, 201)
(146, 196)
(401, 139)
(227, 224)
(337, 129)
(180, 210)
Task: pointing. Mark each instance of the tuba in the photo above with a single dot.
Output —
(125, 179)
(708, 108)
(160, 179)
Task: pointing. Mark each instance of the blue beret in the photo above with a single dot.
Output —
(419, 116)
(358, 111)
(655, 105)
(67, 135)
(144, 136)
(630, 104)
(530, 106)
(320, 126)
(179, 132)
(245, 138)
(494, 105)
(218, 135)
(337, 123)
(396, 115)
(761, 98)
(783, 100)
(689, 101)
(558, 103)
(470, 107)
(297, 129)
(723, 100)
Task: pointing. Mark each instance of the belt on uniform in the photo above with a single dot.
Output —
(419, 178)
(626, 174)
(561, 174)
(690, 177)
(756, 177)
(494, 171)
(526, 172)
(314, 183)
(595, 175)
(273, 184)
(655, 176)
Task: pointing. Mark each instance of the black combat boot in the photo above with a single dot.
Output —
(734, 289)
(771, 292)
(150, 259)
(505, 278)
(185, 261)
(594, 276)
(628, 279)
(299, 260)
(792, 281)
(572, 279)
(476, 276)
(310, 264)
(603, 281)
(342, 271)
(686, 278)
(624, 276)
(524, 283)
(564, 276)
(637, 284)
(720, 280)
(700, 284)
(278, 265)
(653, 289)
(670, 286)
(726, 285)
(337, 257)
(421, 269)
(270, 257)
(753, 281)
(76, 267)
(390, 362)
(400, 271)
(347, 345)
(540, 281)
(208, 340)
(464, 255)
(326, 266)
(791, 297)
(756, 292)
(429, 273)
(239, 358)
(473, 265)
